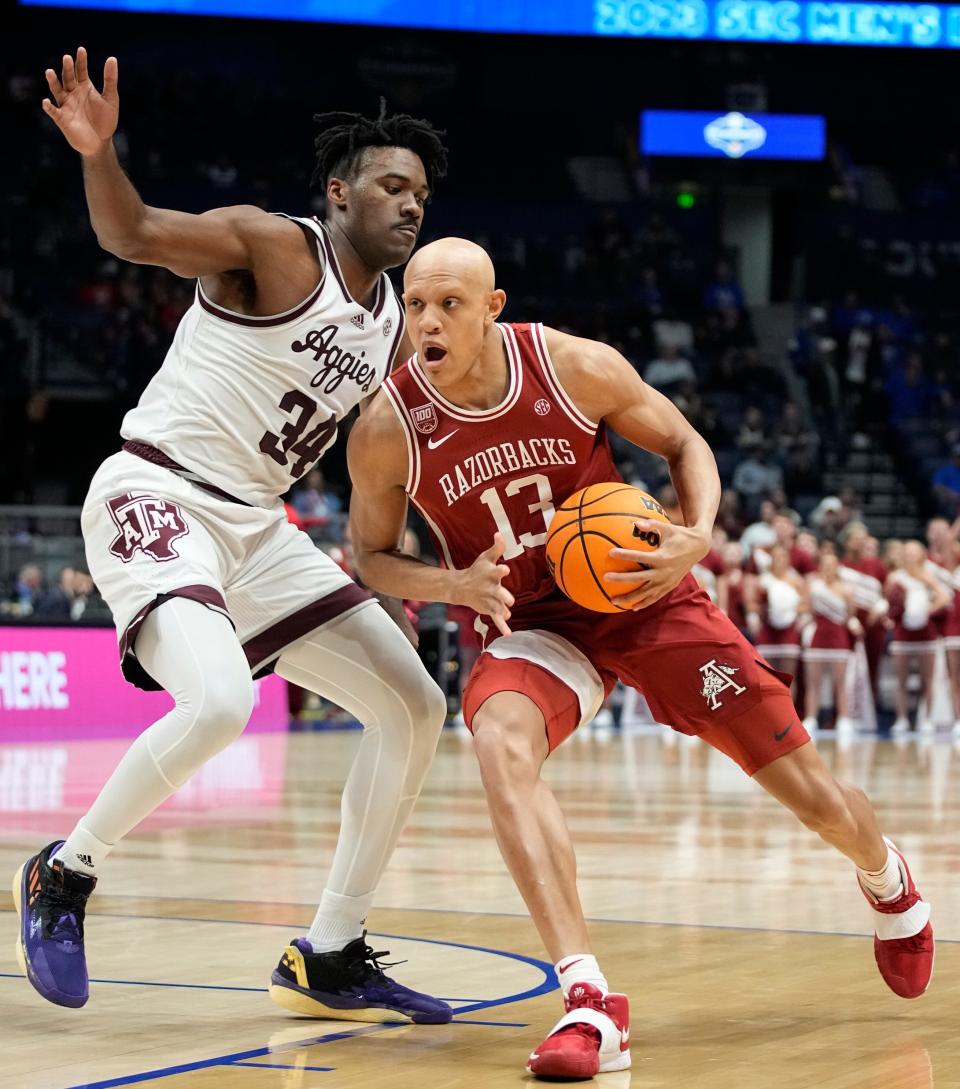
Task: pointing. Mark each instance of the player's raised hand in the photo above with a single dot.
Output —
(85, 116)
(482, 589)
(679, 549)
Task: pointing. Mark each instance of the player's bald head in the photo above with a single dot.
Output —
(452, 259)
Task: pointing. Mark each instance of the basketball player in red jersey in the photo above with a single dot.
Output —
(294, 323)
(484, 430)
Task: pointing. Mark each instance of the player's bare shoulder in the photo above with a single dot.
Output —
(592, 373)
(377, 447)
(279, 262)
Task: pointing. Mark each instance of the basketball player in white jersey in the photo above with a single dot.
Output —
(293, 325)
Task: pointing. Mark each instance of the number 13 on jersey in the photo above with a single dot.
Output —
(514, 545)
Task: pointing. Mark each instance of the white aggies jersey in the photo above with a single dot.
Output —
(249, 404)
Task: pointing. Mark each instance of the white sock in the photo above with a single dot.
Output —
(83, 852)
(579, 968)
(885, 883)
(339, 920)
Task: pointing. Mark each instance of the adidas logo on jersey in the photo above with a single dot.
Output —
(357, 320)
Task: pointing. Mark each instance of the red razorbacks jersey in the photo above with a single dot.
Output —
(473, 472)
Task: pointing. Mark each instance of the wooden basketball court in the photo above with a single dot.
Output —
(741, 940)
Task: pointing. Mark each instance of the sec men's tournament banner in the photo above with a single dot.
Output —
(797, 21)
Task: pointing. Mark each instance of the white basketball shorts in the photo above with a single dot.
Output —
(152, 535)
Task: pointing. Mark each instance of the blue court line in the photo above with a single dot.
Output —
(230, 1060)
(286, 1066)
(547, 985)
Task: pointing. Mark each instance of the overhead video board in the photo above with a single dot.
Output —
(795, 21)
(719, 134)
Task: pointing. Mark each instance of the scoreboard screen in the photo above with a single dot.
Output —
(794, 21)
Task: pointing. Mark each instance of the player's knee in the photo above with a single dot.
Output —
(422, 698)
(224, 708)
(431, 705)
(504, 750)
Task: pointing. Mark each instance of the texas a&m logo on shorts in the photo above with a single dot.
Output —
(425, 419)
(717, 678)
(146, 524)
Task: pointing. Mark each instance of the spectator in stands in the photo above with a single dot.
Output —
(724, 292)
(785, 528)
(911, 393)
(829, 517)
(656, 239)
(710, 425)
(70, 599)
(314, 500)
(27, 590)
(648, 296)
(755, 476)
(672, 331)
(850, 510)
(85, 597)
(792, 431)
(761, 533)
(802, 473)
(946, 484)
(753, 429)
(823, 389)
(55, 602)
(669, 370)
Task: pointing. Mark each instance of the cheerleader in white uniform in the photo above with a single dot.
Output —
(834, 629)
(915, 596)
(776, 601)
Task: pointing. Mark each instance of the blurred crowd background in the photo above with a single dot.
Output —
(827, 381)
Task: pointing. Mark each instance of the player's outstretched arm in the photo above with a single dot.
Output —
(604, 386)
(378, 462)
(222, 240)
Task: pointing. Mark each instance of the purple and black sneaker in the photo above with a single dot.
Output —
(51, 901)
(349, 985)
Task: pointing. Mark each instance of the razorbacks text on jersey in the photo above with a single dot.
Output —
(249, 404)
(506, 468)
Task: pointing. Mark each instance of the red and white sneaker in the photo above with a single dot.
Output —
(592, 1037)
(903, 944)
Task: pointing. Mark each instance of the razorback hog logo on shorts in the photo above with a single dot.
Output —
(717, 678)
(147, 524)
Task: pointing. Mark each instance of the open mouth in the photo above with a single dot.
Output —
(433, 353)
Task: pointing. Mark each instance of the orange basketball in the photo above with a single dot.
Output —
(584, 529)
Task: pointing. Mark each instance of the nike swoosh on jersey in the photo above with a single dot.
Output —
(432, 444)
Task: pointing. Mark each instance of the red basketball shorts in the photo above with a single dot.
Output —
(694, 667)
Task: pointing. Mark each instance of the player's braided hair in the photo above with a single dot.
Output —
(343, 137)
